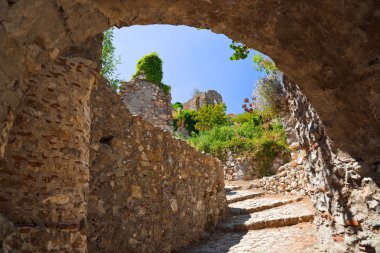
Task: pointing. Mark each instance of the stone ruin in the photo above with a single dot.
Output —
(210, 97)
(149, 101)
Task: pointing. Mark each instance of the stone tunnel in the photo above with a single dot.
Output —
(53, 171)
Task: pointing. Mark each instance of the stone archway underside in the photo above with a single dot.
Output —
(330, 48)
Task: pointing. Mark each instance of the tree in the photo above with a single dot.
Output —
(242, 52)
(209, 116)
(109, 60)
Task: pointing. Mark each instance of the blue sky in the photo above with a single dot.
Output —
(193, 59)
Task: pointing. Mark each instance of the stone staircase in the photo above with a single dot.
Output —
(262, 223)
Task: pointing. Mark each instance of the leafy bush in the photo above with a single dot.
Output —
(151, 66)
(177, 106)
(185, 119)
(258, 136)
(209, 116)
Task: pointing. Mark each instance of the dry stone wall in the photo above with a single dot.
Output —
(148, 191)
(44, 174)
(149, 101)
(345, 191)
(290, 178)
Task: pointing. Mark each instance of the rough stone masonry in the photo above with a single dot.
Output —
(148, 191)
(345, 191)
(149, 101)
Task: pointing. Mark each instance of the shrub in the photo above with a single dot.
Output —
(177, 106)
(151, 66)
(209, 116)
(257, 135)
(185, 119)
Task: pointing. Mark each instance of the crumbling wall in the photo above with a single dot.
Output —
(148, 191)
(345, 191)
(44, 174)
(149, 101)
(210, 97)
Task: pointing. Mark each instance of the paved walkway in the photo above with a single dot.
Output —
(262, 223)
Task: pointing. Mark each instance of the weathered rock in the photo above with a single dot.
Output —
(149, 101)
(148, 191)
(45, 175)
(210, 97)
(345, 191)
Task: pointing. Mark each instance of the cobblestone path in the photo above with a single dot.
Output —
(262, 223)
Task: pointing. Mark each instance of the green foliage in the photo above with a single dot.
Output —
(151, 66)
(270, 94)
(259, 136)
(166, 88)
(263, 64)
(251, 118)
(177, 106)
(109, 60)
(209, 116)
(241, 51)
(184, 119)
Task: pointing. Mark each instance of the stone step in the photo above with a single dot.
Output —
(235, 196)
(229, 188)
(299, 238)
(260, 204)
(281, 216)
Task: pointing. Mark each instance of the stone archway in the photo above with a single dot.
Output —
(330, 49)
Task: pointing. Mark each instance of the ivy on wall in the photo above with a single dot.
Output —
(151, 66)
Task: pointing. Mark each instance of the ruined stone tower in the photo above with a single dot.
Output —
(210, 97)
(149, 101)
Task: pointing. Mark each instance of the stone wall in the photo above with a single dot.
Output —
(345, 191)
(210, 97)
(290, 178)
(135, 190)
(149, 101)
(236, 168)
(148, 191)
(44, 174)
(245, 168)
